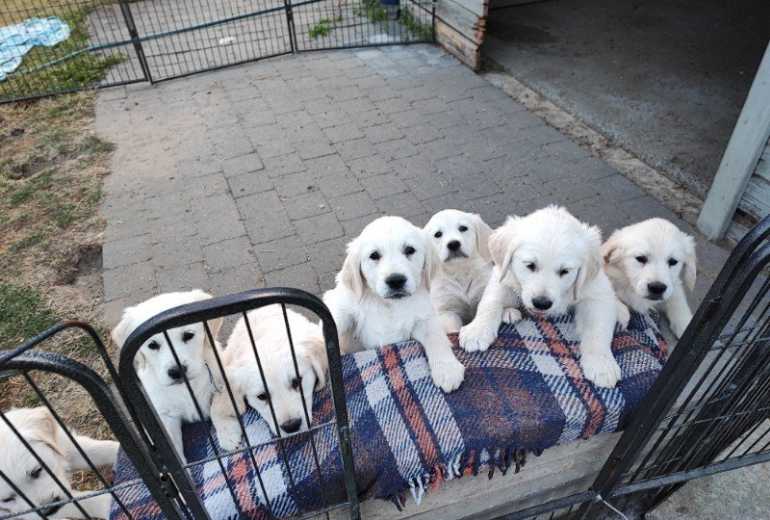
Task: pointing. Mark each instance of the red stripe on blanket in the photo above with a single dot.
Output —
(571, 367)
(412, 412)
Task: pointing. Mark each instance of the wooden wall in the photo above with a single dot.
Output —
(460, 28)
(756, 198)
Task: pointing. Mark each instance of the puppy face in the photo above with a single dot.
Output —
(284, 389)
(38, 428)
(155, 359)
(391, 257)
(457, 235)
(547, 256)
(652, 256)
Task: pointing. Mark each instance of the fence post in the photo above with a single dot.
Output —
(290, 23)
(128, 18)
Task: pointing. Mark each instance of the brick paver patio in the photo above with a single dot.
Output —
(259, 175)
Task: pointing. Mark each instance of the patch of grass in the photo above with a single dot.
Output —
(376, 12)
(421, 30)
(322, 28)
(42, 72)
(23, 313)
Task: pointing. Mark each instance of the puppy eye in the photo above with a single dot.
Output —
(641, 259)
(35, 473)
(187, 336)
(672, 262)
(9, 499)
(463, 229)
(296, 382)
(563, 272)
(438, 234)
(262, 396)
(375, 256)
(531, 266)
(153, 345)
(409, 250)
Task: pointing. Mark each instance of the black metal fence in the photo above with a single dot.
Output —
(118, 42)
(706, 413)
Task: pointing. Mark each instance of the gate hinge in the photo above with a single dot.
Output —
(169, 488)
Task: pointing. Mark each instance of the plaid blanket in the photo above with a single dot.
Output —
(525, 394)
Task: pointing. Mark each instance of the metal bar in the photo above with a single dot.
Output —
(128, 18)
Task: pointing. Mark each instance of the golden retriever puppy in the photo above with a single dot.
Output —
(50, 442)
(279, 402)
(649, 264)
(551, 262)
(160, 374)
(382, 296)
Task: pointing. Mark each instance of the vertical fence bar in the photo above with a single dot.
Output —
(128, 18)
(290, 25)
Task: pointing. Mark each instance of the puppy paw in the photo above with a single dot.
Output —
(601, 369)
(476, 337)
(511, 315)
(678, 326)
(447, 373)
(229, 436)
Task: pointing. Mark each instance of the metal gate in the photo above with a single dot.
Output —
(118, 42)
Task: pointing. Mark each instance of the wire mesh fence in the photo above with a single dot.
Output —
(118, 42)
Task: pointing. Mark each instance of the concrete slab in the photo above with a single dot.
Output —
(664, 79)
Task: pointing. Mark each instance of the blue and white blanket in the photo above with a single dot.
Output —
(17, 40)
(524, 394)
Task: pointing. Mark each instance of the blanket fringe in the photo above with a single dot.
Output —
(469, 463)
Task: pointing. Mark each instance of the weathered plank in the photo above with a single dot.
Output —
(477, 7)
(746, 145)
(465, 22)
(467, 51)
(756, 198)
(763, 166)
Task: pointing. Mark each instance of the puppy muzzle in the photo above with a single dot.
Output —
(454, 255)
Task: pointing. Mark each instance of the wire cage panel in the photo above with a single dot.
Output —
(54, 415)
(268, 466)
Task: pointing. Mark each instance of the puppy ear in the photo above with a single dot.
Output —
(432, 261)
(39, 425)
(214, 326)
(483, 231)
(351, 275)
(502, 245)
(315, 352)
(123, 329)
(690, 262)
(612, 249)
(592, 264)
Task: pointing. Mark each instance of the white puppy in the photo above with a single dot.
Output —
(50, 442)
(284, 391)
(552, 262)
(646, 263)
(159, 372)
(382, 296)
(460, 240)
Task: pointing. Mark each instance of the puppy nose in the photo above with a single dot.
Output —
(454, 245)
(175, 373)
(656, 288)
(396, 281)
(542, 303)
(291, 426)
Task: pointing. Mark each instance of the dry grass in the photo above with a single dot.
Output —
(51, 171)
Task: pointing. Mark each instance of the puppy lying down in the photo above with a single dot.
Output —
(649, 263)
(50, 442)
(285, 395)
(549, 262)
(382, 296)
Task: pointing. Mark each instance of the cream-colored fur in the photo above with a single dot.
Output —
(44, 435)
(549, 262)
(370, 312)
(284, 386)
(653, 254)
(155, 363)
